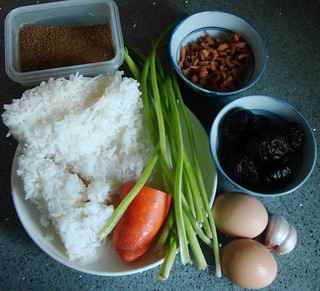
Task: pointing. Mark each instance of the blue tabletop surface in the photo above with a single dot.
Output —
(291, 30)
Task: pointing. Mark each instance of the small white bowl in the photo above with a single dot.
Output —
(284, 110)
(216, 23)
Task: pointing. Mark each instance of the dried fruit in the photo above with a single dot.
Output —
(236, 123)
(217, 64)
(295, 137)
(272, 148)
(261, 151)
(246, 171)
(259, 123)
(252, 148)
(279, 175)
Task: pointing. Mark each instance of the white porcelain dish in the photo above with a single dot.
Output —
(108, 263)
(216, 23)
(284, 110)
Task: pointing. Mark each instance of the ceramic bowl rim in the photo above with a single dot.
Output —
(214, 154)
(212, 93)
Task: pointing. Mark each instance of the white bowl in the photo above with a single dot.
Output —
(216, 23)
(284, 110)
(108, 262)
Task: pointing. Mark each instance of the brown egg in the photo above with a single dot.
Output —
(240, 215)
(248, 264)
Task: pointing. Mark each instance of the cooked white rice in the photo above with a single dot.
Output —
(73, 131)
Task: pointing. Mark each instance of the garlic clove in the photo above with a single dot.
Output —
(290, 242)
(277, 231)
(281, 237)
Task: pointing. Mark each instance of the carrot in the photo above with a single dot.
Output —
(137, 228)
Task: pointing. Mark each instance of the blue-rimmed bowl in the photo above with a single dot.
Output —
(282, 109)
(218, 24)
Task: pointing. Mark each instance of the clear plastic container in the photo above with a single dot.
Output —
(69, 13)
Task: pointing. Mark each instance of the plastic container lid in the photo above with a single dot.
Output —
(69, 13)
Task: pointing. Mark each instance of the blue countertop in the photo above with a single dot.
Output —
(291, 30)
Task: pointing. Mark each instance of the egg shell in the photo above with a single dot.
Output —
(249, 264)
(240, 215)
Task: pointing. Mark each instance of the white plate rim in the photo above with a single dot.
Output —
(40, 243)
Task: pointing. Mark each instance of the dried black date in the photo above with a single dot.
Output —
(278, 175)
(252, 148)
(258, 124)
(236, 124)
(273, 148)
(246, 171)
(295, 137)
(260, 151)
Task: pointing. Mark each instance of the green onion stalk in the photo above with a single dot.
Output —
(190, 220)
(122, 207)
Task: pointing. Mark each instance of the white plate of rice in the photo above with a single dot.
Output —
(68, 154)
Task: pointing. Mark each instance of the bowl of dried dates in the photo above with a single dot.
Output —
(263, 145)
(217, 53)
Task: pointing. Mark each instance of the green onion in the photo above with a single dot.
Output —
(200, 261)
(177, 197)
(194, 224)
(194, 190)
(190, 218)
(199, 209)
(157, 105)
(162, 239)
(132, 65)
(197, 194)
(215, 247)
(189, 198)
(122, 207)
(140, 56)
(160, 68)
(169, 258)
(147, 104)
(215, 242)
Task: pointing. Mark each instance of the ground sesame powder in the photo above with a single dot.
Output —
(46, 47)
